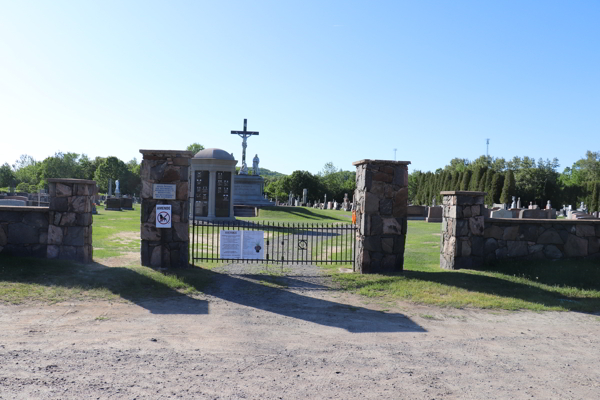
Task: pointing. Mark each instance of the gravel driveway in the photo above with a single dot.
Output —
(256, 337)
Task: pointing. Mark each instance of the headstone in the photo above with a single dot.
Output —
(499, 206)
(433, 202)
(290, 199)
(434, 214)
(501, 214)
(514, 203)
(329, 205)
(519, 202)
(296, 203)
(304, 196)
(109, 187)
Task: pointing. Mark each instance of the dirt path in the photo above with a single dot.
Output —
(259, 337)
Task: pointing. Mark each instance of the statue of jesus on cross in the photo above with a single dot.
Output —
(245, 134)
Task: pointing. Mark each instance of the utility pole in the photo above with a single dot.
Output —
(487, 147)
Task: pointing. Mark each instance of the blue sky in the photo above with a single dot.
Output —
(322, 81)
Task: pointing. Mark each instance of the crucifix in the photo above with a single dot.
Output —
(245, 134)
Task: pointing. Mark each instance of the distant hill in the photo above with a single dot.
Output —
(271, 174)
(266, 173)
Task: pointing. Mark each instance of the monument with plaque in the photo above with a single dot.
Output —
(249, 188)
(212, 188)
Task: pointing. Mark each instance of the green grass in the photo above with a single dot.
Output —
(115, 233)
(540, 285)
(301, 214)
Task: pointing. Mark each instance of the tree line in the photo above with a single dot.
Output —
(533, 181)
(29, 175)
(330, 181)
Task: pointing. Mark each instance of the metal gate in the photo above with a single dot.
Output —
(281, 242)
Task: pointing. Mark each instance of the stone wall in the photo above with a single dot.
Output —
(469, 240)
(63, 230)
(70, 219)
(381, 199)
(23, 231)
(165, 247)
(462, 230)
(540, 239)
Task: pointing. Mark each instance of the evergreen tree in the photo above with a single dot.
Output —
(465, 180)
(594, 203)
(508, 190)
(489, 179)
(482, 182)
(458, 181)
(475, 178)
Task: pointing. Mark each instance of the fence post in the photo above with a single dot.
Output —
(462, 230)
(381, 200)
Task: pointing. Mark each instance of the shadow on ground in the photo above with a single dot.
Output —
(258, 291)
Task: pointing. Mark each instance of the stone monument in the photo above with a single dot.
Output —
(117, 189)
(255, 169)
(248, 188)
(211, 191)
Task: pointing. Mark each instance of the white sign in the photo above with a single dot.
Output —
(164, 191)
(247, 245)
(163, 215)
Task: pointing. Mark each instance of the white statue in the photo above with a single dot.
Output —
(243, 169)
(117, 190)
(255, 162)
(514, 203)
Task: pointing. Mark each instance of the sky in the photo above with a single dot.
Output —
(322, 81)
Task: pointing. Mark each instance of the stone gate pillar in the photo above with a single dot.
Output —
(462, 230)
(381, 200)
(165, 181)
(70, 219)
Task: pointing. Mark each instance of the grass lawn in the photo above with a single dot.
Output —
(112, 276)
(539, 285)
(301, 215)
(116, 273)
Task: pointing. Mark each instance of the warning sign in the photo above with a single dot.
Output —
(163, 215)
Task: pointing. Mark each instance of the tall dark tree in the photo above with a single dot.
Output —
(466, 179)
(509, 188)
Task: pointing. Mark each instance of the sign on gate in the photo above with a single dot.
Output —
(246, 245)
(163, 215)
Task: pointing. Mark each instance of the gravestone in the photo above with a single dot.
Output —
(304, 196)
(519, 203)
(109, 187)
(501, 214)
(434, 214)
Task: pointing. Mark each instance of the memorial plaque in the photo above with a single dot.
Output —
(164, 191)
(223, 195)
(201, 181)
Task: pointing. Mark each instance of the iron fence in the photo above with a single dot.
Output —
(294, 243)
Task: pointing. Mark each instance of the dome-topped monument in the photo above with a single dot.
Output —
(214, 153)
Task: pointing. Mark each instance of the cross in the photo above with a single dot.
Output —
(244, 134)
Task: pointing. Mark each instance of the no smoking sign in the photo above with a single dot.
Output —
(163, 215)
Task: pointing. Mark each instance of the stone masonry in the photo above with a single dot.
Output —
(469, 240)
(165, 247)
(462, 230)
(381, 199)
(70, 219)
(63, 230)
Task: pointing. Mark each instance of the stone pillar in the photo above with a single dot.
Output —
(70, 219)
(381, 199)
(165, 247)
(462, 230)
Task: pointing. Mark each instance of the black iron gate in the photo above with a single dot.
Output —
(281, 242)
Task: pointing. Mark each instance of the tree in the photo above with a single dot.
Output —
(465, 180)
(509, 188)
(112, 168)
(594, 203)
(195, 147)
(61, 165)
(7, 177)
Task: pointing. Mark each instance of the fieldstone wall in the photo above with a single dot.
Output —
(63, 230)
(381, 199)
(462, 230)
(535, 239)
(70, 219)
(165, 247)
(469, 240)
(23, 231)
